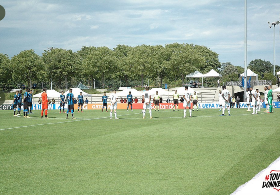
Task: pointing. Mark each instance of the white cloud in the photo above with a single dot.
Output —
(71, 24)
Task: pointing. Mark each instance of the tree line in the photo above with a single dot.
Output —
(110, 68)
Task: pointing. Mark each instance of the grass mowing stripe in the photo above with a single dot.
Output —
(252, 163)
(162, 156)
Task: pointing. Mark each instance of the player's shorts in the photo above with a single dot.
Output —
(29, 104)
(15, 106)
(62, 104)
(186, 104)
(45, 106)
(129, 103)
(195, 102)
(114, 106)
(80, 104)
(266, 101)
(25, 105)
(175, 101)
(156, 102)
(71, 107)
(147, 106)
(19, 105)
(254, 102)
(225, 104)
(105, 105)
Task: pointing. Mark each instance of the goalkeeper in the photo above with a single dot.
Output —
(269, 97)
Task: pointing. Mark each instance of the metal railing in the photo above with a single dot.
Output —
(252, 83)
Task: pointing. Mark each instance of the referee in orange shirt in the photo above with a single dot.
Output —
(44, 104)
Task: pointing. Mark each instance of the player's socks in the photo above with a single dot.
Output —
(223, 111)
(111, 114)
(144, 113)
(150, 111)
(185, 112)
(190, 110)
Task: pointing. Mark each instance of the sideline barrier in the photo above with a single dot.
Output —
(162, 106)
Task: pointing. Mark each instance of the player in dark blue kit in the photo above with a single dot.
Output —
(30, 102)
(80, 101)
(15, 102)
(25, 103)
(104, 100)
(19, 102)
(129, 101)
(62, 101)
(70, 100)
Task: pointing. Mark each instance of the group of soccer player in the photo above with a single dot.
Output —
(254, 99)
(25, 101)
(189, 101)
(147, 102)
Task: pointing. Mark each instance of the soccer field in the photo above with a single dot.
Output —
(205, 154)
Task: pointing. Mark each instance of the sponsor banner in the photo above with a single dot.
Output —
(6, 107)
(120, 106)
(162, 106)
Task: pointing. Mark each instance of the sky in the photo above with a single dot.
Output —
(69, 24)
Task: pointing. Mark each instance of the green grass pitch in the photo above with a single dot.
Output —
(205, 154)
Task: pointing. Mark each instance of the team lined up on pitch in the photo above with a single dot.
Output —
(190, 100)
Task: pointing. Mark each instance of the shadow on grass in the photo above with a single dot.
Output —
(250, 165)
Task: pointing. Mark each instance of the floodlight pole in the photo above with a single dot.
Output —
(274, 61)
(274, 51)
(245, 51)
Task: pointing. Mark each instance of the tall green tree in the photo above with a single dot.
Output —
(5, 70)
(26, 66)
(230, 72)
(260, 67)
(62, 66)
(123, 66)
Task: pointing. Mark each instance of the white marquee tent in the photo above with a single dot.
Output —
(134, 93)
(76, 92)
(278, 73)
(50, 93)
(196, 74)
(251, 74)
(212, 73)
(276, 90)
(181, 90)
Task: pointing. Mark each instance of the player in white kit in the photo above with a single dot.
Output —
(113, 98)
(249, 99)
(225, 103)
(254, 100)
(221, 99)
(187, 102)
(147, 103)
(265, 99)
(258, 100)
